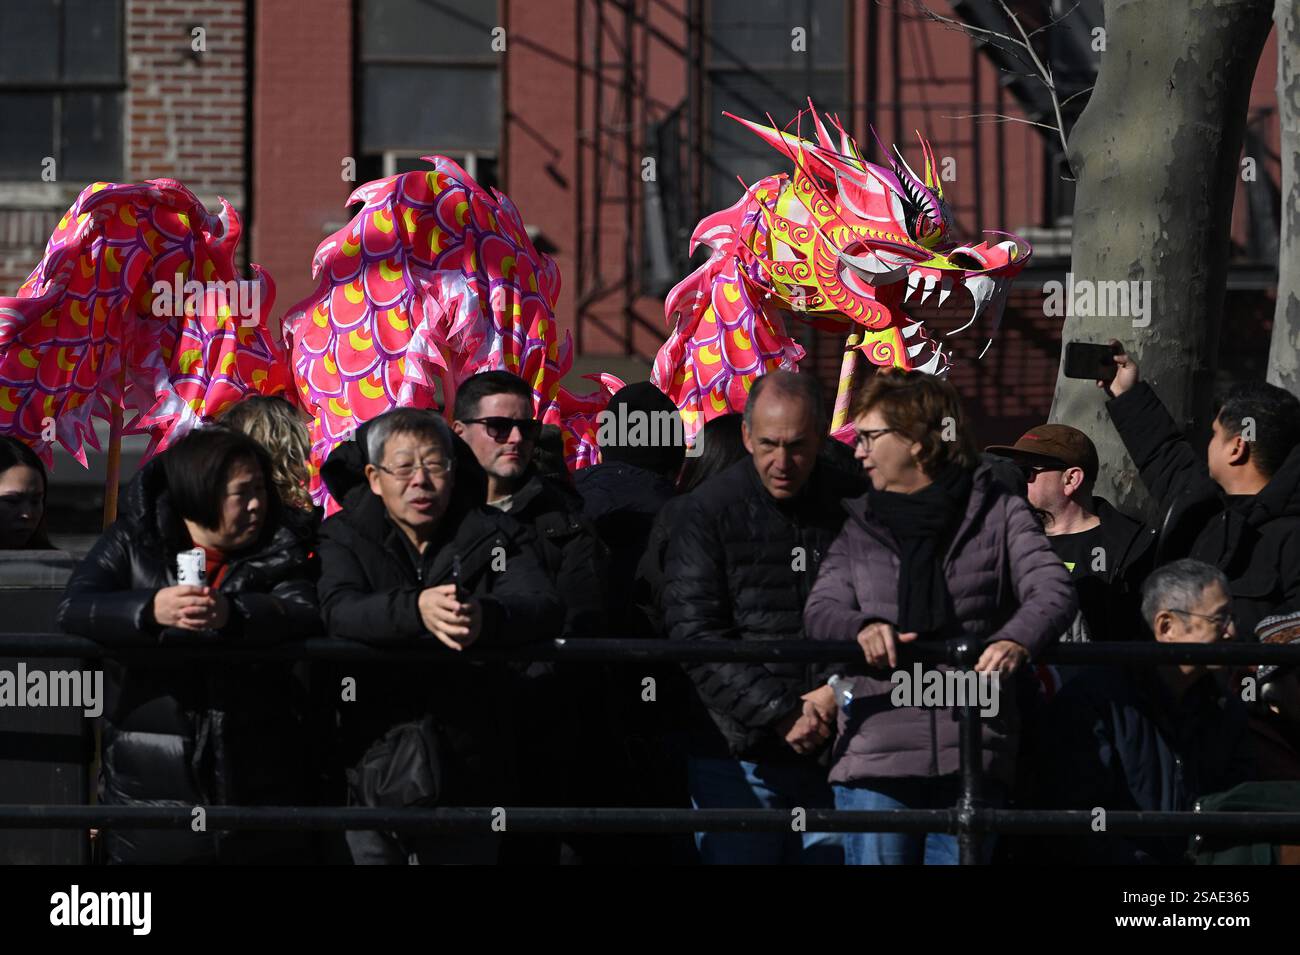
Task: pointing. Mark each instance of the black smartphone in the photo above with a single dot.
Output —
(1093, 362)
(461, 594)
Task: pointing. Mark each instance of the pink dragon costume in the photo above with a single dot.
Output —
(840, 243)
(433, 280)
(98, 322)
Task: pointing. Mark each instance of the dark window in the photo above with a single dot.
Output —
(754, 69)
(62, 89)
(428, 84)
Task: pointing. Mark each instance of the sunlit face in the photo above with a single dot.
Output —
(22, 505)
(415, 501)
(1052, 488)
(784, 442)
(243, 508)
(888, 457)
(504, 457)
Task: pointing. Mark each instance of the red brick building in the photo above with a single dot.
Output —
(283, 107)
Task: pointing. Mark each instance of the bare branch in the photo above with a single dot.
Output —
(1052, 23)
(1047, 78)
(1003, 117)
(1080, 93)
(1042, 71)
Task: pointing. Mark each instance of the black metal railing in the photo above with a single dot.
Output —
(970, 820)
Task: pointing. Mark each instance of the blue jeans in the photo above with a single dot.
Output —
(740, 784)
(906, 848)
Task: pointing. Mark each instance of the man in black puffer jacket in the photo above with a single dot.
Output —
(389, 561)
(199, 735)
(740, 566)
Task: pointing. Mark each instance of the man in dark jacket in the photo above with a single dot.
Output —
(180, 734)
(402, 566)
(623, 494)
(1239, 507)
(740, 567)
(494, 417)
(641, 448)
(1146, 738)
(1107, 553)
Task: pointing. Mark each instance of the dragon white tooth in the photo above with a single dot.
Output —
(914, 350)
(909, 331)
(913, 283)
(945, 289)
(933, 364)
(929, 287)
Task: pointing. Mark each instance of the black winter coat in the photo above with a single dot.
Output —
(621, 501)
(1255, 542)
(371, 580)
(1111, 604)
(740, 566)
(186, 734)
(572, 553)
(1117, 738)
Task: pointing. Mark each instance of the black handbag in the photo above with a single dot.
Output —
(405, 768)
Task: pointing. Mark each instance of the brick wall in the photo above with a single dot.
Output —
(302, 131)
(186, 111)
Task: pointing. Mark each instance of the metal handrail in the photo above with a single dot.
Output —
(970, 819)
(614, 650)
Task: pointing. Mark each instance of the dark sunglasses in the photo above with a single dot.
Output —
(1031, 470)
(499, 429)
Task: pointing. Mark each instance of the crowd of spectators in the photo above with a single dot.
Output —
(466, 531)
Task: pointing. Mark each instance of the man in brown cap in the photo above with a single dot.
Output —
(1106, 552)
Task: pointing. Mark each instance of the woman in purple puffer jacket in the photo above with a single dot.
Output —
(936, 549)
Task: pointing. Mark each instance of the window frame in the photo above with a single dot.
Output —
(714, 66)
(33, 193)
(486, 62)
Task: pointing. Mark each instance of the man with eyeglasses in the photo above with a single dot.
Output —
(1150, 738)
(1106, 552)
(406, 562)
(494, 417)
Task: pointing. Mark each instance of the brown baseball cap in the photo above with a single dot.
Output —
(1053, 445)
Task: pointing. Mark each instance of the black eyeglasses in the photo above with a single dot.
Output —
(404, 472)
(499, 429)
(866, 439)
(1030, 471)
(1220, 620)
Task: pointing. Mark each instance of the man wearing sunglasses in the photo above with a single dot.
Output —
(1106, 552)
(494, 417)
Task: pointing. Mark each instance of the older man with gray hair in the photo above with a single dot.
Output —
(740, 565)
(1151, 738)
(406, 564)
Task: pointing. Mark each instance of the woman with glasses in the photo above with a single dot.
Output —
(200, 554)
(936, 549)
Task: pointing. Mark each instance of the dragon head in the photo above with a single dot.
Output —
(843, 239)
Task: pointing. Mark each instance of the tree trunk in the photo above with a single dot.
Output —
(1284, 349)
(1156, 155)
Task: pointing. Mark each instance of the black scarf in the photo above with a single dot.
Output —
(923, 523)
